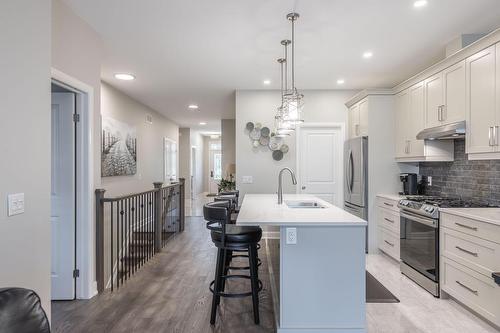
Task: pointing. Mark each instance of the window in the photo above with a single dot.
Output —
(170, 160)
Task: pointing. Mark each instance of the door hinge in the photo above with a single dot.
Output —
(76, 117)
(76, 273)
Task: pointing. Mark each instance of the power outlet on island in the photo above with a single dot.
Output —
(291, 235)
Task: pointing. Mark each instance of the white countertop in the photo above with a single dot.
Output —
(395, 197)
(263, 210)
(489, 215)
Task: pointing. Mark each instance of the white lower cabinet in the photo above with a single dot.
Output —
(388, 225)
(469, 254)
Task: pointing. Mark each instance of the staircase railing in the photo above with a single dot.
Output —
(131, 229)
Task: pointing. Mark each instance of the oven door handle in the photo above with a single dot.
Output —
(429, 222)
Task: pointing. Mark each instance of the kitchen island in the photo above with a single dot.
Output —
(322, 262)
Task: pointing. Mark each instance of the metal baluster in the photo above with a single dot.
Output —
(120, 262)
(111, 232)
(127, 235)
(143, 247)
(134, 229)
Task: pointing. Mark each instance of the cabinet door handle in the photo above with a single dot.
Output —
(466, 251)
(409, 146)
(388, 220)
(389, 243)
(490, 136)
(465, 287)
(466, 226)
(443, 112)
(439, 113)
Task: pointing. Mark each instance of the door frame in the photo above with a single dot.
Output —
(86, 285)
(340, 175)
(193, 166)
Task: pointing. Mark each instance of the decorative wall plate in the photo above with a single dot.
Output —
(264, 140)
(275, 143)
(265, 131)
(284, 148)
(255, 134)
(250, 126)
(277, 155)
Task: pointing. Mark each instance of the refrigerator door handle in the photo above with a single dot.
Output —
(348, 171)
(351, 162)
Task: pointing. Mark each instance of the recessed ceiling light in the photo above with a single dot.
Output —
(367, 54)
(203, 123)
(193, 107)
(266, 82)
(340, 81)
(124, 76)
(420, 3)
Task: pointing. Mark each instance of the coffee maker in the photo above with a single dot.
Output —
(410, 183)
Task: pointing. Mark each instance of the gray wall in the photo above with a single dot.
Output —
(185, 158)
(228, 143)
(25, 144)
(476, 180)
(260, 106)
(150, 138)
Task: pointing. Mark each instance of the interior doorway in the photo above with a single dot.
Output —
(72, 189)
(63, 193)
(214, 166)
(193, 173)
(320, 161)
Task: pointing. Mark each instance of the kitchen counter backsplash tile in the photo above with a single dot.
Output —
(476, 180)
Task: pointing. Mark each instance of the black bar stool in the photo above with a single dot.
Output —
(235, 193)
(228, 237)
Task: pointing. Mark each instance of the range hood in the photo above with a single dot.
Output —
(444, 132)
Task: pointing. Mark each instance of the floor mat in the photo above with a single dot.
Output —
(377, 293)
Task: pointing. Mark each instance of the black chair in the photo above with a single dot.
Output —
(228, 237)
(21, 311)
(235, 193)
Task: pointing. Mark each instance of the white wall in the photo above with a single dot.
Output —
(260, 106)
(185, 158)
(150, 137)
(228, 144)
(25, 144)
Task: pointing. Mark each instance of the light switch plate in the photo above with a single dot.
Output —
(15, 204)
(291, 235)
(247, 180)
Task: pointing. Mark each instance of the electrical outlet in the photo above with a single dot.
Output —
(429, 180)
(291, 235)
(247, 180)
(15, 204)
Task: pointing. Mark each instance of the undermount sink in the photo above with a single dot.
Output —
(303, 204)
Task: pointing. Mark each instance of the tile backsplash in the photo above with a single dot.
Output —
(476, 180)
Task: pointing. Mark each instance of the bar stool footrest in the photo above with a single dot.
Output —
(259, 262)
(234, 295)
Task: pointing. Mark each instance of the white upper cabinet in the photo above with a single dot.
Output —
(363, 117)
(454, 93)
(358, 119)
(433, 100)
(481, 102)
(416, 120)
(445, 96)
(401, 124)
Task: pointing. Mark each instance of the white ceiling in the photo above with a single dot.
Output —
(199, 51)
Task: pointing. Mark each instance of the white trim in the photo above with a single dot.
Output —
(86, 286)
(270, 235)
(340, 175)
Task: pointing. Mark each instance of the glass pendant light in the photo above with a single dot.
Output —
(283, 127)
(293, 101)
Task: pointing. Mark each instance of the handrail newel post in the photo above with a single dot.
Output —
(157, 216)
(99, 208)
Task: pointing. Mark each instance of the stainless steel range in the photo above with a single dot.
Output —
(420, 237)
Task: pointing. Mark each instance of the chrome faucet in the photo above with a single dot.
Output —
(280, 184)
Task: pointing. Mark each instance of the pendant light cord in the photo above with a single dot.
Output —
(293, 54)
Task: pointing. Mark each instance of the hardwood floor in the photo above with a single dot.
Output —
(170, 294)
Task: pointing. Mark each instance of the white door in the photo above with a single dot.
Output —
(215, 172)
(481, 103)
(320, 163)
(63, 196)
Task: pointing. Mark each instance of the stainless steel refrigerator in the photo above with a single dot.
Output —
(356, 177)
